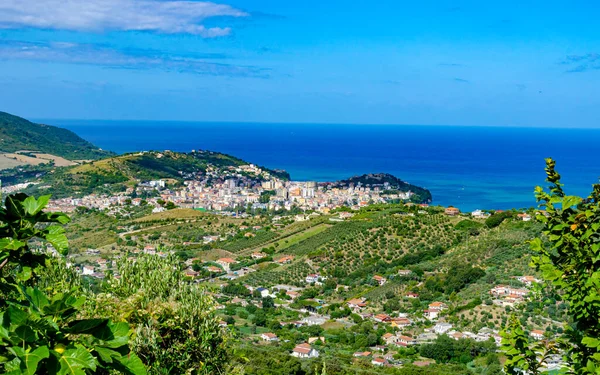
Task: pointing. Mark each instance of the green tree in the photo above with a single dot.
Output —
(570, 261)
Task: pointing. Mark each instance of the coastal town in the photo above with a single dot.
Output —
(231, 190)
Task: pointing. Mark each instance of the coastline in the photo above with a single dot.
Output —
(470, 168)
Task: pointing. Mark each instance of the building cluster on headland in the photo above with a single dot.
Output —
(239, 188)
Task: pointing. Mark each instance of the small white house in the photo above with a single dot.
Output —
(270, 337)
(304, 351)
(87, 270)
(225, 263)
(442, 328)
(312, 278)
(536, 334)
(264, 292)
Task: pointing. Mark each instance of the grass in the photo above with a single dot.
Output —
(178, 213)
(332, 325)
(248, 330)
(284, 243)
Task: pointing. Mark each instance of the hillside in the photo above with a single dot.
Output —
(386, 181)
(117, 173)
(18, 134)
(423, 257)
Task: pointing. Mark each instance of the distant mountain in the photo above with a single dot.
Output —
(18, 134)
(385, 181)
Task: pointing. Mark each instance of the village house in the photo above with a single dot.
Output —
(400, 322)
(87, 270)
(315, 339)
(239, 301)
(536, 334)
(452, 211)
(442, 328)
(406, 340)
(524, 217)
(356, 303)
(412, 295)
(380, 280)
(528, 280)
(382, 318)
(213, 269)
(257, 255)
(506, 291)
(431, 314)
(478, 214)
(191, 273)
(312, 278)
(304, 351)
(264, 292)
(404, 272)
(379, 361)
(438, 306)
(269, 337)
(361, 354)
(292, 294)
(285, 260)
(225, 263)
(389, 338)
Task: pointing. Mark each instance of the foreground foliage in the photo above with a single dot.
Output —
(41, 333)
(571, 263)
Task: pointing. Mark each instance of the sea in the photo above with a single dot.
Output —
(467, 167)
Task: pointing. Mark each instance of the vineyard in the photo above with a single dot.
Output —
(241, 243)
(290, 274)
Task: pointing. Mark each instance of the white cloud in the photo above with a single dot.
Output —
(104, 56)
(164, 16)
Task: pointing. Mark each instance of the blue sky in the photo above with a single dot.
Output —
(501, 63)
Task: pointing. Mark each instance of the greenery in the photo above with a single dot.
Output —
(41, 333)
(569, 261)
(18, 134)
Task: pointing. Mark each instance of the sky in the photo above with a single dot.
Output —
(460, 62)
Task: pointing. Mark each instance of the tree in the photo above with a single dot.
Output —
(568, 258)
(41, 333)
(268, 303)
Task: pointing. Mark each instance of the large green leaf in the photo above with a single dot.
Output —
(11, 244)
(74, 361)
(87, 325)
(113, 335)
(56, 236)
(131, 365)
(14, 205)
(17, 316)
(25, 333)
(56, 217)
(33, 206)
(106, 355)
(29, 360)
(37, 298)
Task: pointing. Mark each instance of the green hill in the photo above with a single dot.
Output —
(119, 172)
(386, 182)
(18, 134)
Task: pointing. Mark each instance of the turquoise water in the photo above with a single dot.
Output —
(468, 167)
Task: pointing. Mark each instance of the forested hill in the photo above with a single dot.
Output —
(386, 181)
(18, 134)
(118, 172)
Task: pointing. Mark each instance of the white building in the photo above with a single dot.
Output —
(442, 328)
(270, 337)
(304, 351)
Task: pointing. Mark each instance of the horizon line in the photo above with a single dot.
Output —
(40, 120)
